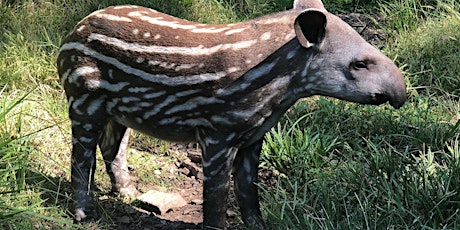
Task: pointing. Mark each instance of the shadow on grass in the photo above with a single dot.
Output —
(113, 212)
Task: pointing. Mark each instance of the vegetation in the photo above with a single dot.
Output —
(340, 165)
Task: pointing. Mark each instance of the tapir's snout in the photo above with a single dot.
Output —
(396, 91)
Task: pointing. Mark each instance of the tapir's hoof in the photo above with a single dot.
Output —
(81, 216)
(128, 191)
(255, 222)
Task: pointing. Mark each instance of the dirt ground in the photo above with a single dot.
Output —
(139, 215)
(190, 216)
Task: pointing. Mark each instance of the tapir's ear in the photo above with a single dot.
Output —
(310, 27)
(305, 4)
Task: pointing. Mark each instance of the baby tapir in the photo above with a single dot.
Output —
(223, 86)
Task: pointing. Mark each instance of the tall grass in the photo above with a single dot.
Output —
(21, 207)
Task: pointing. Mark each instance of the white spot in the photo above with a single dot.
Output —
(158, 36)
(176, 37)
(85, 139)
(135, 31)
(81, 28)
(146, 35)
(248, 61)
(192, 51)
(140, 60)
(184, 66)
(265, 36)
(73, 58)
(233, 69)
(93, 84)
(288, 37)
(88, 127)
(260, 55)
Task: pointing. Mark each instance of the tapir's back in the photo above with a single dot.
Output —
(158, 43)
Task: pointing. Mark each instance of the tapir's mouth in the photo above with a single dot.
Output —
(380, 98)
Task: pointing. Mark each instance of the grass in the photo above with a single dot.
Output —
(341, 165)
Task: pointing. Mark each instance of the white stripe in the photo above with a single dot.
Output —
(125, 7)
(209, 30)
(94, 105)
(64, 76)
(239, 30)
(278, 83)
(81, 71)
(249, 77)
(112, 87)
(191, 51)
(78, 102)
(139, 89)
(193, 103)
(195, 122)
(152, 95)
(154, 78)
(157, 108)
(112, 17)
(159, 22)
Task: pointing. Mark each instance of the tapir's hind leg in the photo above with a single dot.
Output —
(113, 143)
(85, 133)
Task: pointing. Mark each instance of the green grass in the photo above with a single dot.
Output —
(341, 165)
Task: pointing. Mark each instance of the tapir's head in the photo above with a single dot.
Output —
(344, 65)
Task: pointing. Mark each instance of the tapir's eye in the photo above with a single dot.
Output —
(357, 65)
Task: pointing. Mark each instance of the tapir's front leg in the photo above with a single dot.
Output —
(218, 158)
(245, 178)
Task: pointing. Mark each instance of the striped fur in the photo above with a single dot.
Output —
(222, 86)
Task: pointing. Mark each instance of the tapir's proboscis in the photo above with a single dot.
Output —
(223, 86)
